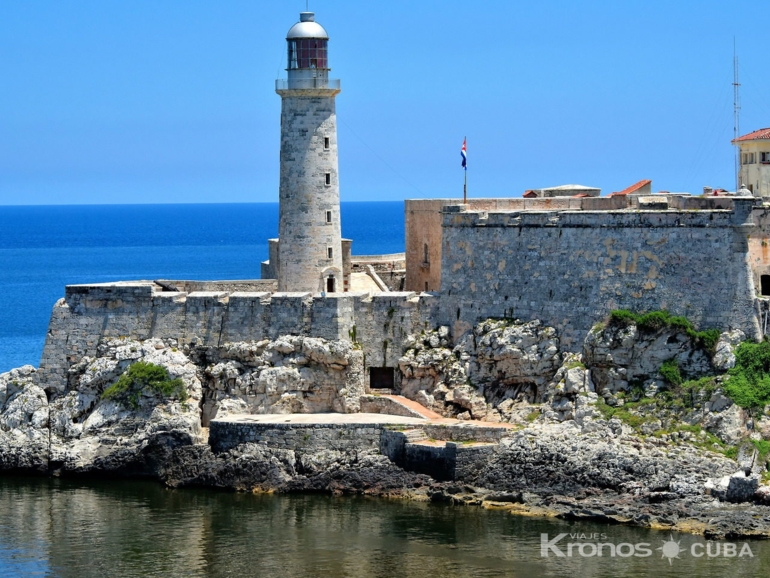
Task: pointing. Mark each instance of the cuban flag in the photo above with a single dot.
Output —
(464, 154)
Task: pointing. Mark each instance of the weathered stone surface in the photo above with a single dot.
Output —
(499, 360)
(23, 422)
(724, 352)
(259, 467)
(91, 434)
(623, 356)
(561, 458)
(291, 374)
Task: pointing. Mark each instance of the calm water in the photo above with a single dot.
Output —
(64, 528)
(42, 249)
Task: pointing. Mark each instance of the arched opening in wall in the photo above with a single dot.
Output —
(330, 284)
(382, 378)
(765, 284)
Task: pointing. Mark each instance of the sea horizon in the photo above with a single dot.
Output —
(43, 248)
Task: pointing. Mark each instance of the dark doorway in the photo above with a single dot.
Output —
(382, 378)
(330, 284)
(765, 279)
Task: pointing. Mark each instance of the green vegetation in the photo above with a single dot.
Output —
(763, 449)
(748, 384)
(623, 413)
(575, 364)
(670, 372)
(532, 416)
(140, 377)
(657, 320)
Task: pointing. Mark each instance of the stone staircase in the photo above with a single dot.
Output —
(415, 435)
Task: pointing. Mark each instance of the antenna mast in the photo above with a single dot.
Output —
(736, 117)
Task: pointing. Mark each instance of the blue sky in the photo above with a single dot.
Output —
(166, 101)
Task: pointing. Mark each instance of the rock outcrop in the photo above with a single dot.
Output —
(80, 431)
(288, 375)
(23, 422)
(499, 360)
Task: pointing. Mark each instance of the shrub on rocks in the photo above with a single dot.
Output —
(143, 377)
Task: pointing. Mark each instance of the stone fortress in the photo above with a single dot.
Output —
(304, 340)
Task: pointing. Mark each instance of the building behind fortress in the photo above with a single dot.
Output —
(567, 261)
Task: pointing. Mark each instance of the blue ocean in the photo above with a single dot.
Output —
(44, 248)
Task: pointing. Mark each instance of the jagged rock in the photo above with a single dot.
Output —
(292, 374)
(23, 422)
(563, 459)
(91, 434)
(258, 467)
(728, 423)
(514, 354)
(762, 495)
(724, 352)
(621, 355)
(499, 360)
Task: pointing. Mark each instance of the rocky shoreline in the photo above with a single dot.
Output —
(599, 435)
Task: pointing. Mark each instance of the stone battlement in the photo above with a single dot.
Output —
(378, 322)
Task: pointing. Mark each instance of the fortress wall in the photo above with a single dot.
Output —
(248, 317)
(385, 319)
(139, 310)
(569, 269)
(759, 246)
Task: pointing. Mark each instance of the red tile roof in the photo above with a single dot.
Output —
(632, 189)
(529, 194)
(763, 133)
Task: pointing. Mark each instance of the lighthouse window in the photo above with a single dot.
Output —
(326, 143)
(329, 252)
(328, 216)
(328, 177)
(308, 53)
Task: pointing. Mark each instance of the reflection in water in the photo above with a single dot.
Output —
(116, 528)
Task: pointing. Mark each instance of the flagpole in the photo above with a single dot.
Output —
(465, 184)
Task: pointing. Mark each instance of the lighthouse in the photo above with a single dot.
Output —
(309, 247)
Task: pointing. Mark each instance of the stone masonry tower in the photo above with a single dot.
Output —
(309, 234)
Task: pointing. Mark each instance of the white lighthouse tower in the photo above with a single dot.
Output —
(309, 248)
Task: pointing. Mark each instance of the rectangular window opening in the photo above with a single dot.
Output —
(326, 143)
(328, 216)
(329, 252)
(328, 177)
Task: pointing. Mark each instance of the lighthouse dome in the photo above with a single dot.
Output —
(307, 27)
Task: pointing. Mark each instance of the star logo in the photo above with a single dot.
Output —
(670, 549)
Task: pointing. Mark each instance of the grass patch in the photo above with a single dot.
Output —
(748, 384)
(575, 364)
(763, 449)
(670, 372)
(653, 321)
(140, 377)
(532, 416)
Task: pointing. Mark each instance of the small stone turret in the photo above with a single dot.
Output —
(309, 245)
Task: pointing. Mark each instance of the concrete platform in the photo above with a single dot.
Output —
(321, 418)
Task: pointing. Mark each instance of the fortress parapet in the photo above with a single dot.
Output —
(378, 322)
